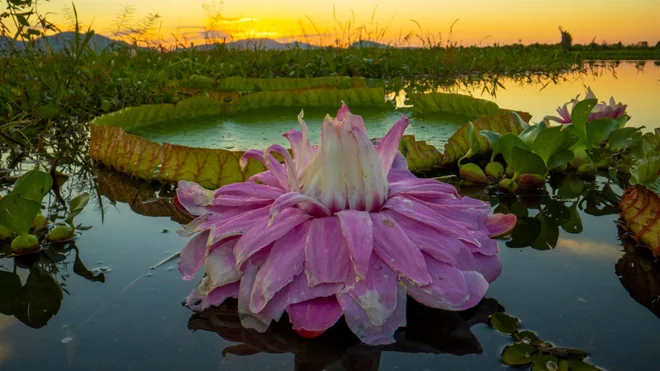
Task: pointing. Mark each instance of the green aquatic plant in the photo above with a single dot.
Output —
(529, 351)
(20, 213)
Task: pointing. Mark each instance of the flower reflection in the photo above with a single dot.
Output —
(428, 331)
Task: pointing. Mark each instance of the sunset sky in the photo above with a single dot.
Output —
(481, 21)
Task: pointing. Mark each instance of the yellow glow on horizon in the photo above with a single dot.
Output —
(481, 22)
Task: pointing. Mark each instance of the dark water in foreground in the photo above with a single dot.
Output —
(574, 283)
(571, 295)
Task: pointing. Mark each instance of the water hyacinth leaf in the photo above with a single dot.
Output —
(526, 162)
(525, 232)
(530, 134)
(507, 143)
(580, 115)
(493, 139)
(574, 223)
(47, 112)
(17, 213)
(569, 353)
(545, 362)
(622, 120)
(76, 205)
(559, 158)
(504, 323)
(473, 139)
(457, 145)
(33, 185)
(527, 337)
(524, 124)
(599, 130)
(548, 236)
(623, 138)
(549, 141)
(519, 354)
(645, 172)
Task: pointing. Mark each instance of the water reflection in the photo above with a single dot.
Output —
(639, 272)
(33, 288)
(428, 331)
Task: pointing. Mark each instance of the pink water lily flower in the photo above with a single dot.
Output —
(601, 110)
(342, 229)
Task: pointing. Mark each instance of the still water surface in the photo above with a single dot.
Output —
(587, 292)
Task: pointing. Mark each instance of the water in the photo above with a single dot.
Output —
(589, 292)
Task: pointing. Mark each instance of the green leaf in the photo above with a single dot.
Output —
(549, 141)
(574, 223)
(599, 130)
(556, 212)
(546, 362)
(76, 205)
(493, 138)
(504, 323)
(530, 134)
(525, 232)
(473, 139)
(47, 112)
(571, 186)
(569, 353)
(645, 172)
(549, 234)
(33, 185)
(580, 115)
(527, 337)
(623, 138)
(522, 123)
(559, 158)
(526, 162)
(17, 213)
(519, 354)
(507, 143)
(40, 298)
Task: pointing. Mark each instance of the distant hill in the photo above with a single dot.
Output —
(368, 44)
(59, 41)
(265, 44)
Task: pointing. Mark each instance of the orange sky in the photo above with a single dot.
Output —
(481, 21)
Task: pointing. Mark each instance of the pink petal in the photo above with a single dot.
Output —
(220, 265)
(488, 266)
(343, 112)
(389, 145)
(327, 257)
(315, 315)
(197, 301)
(297, 291)
(222, 227)
(452, 289)
(284, 263)
(291, 199)
(460, 212)
(249, 189)
(421, 213)
(500, 224)
(266, 178)
(440, 246)
(423, 188)
(485, 245)
(193, 197)
(260, 234)
(300, 146)
(289, 164)
(377, 294)
(357, 230)
(248, 319)
(270, 162)
(240, 201)
(359, 323)
(192, 256)
(395, 248)
(399, 170)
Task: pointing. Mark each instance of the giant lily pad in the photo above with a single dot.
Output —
(202, 138)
